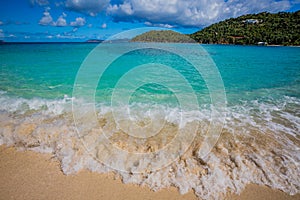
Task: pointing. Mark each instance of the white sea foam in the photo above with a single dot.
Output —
(259, 144)
(22, 105)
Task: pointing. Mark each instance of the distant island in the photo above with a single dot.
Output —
(254, 29)
(94, 41)
(163, 36)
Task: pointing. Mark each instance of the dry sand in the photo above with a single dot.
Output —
(30, 175)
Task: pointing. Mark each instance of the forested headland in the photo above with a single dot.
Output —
(264, 28)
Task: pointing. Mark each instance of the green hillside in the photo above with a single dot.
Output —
(277, 29)
(163, 36)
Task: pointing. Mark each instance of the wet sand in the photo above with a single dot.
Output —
(30, 175)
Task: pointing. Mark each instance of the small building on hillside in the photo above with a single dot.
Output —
(262, 43)
(251, 21)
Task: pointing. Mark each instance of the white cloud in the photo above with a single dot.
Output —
(69, 36)
(159, 25)
(190, 12)
(1, 23)
(164, 13)
(78, 22)
(61, 21)
(62, 36)
(104, 25)
(12, 36)
(90, 7)
(39, 2)
(46, 19)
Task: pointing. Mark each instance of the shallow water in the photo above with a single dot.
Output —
(259, 142)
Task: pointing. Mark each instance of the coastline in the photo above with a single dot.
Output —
(31, 175)
(251, 45)
(104, 41)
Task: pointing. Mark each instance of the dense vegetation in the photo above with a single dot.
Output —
(163, 36)
(278, 29)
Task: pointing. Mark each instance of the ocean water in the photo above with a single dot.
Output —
(150, 113)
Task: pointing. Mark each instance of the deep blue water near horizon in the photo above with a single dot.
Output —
(248, 72)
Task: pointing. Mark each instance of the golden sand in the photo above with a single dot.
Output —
(30, 175)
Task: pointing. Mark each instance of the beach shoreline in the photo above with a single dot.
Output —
(32, 175)
(170, 132)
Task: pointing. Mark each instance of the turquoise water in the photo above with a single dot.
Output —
(40, 70)
(259, 142)
(248, 72)
(257, 72)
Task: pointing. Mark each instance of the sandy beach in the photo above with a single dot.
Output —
(153, 99)
(31, 175)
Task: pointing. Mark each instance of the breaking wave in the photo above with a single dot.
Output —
(259, 143)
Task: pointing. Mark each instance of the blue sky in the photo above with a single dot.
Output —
(80, 20)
